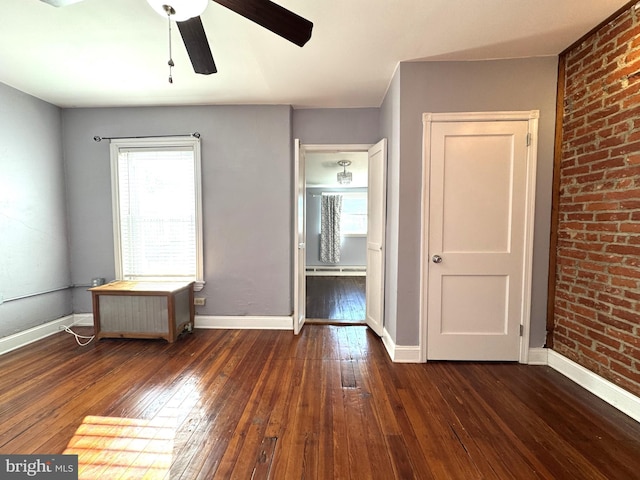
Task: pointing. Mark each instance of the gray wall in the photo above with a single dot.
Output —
(353, 250)
(33, 237)
(390, 129)
(247, 183)
(337, 126)
(520, 84)
(247, 199)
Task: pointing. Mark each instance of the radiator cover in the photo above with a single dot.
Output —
(143, 309)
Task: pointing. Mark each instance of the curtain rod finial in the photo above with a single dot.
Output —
(97, 138)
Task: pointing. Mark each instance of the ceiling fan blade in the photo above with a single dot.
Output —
(60, 3)
(271, 16)
(195, 41)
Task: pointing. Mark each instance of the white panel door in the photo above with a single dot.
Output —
(376, 223)
(300, 288)
(476, 239)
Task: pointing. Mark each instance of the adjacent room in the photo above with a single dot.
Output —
(321, 239)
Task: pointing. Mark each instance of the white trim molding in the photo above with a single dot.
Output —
(21, 339)
(615, 396)
(538, 356)
(400, 353)
(244, 322)
(83, 319)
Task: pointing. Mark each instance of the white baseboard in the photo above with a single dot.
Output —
(244, 323)
(400, 353)
(20, 339)
(619, 398)
(538, 356)
(83, 319)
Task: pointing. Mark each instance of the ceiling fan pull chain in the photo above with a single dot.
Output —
(170, 62)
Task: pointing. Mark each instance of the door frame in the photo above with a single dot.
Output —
(531, 116)
(300, 150)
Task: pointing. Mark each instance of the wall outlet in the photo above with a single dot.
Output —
(199, 301)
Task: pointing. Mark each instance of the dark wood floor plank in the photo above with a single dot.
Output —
(325, 404)
(338, 299)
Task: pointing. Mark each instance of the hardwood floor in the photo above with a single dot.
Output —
(325, 404)
(336, 299)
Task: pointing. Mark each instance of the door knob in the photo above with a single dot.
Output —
(436, 259)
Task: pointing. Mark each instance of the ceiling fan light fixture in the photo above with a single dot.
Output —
(344, 177)
(180, 10)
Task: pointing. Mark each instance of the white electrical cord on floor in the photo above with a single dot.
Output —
(78, 337)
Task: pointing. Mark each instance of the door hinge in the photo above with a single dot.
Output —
(521, 330)
(528, 139)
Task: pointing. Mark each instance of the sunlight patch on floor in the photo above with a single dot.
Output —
(114, 448)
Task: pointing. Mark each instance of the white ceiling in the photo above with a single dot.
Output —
(115, 52)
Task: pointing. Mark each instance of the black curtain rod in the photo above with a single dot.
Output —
(98, 138)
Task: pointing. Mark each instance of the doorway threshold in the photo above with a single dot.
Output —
(333, 321)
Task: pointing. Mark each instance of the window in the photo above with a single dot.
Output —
(157, 209)
(353, 220)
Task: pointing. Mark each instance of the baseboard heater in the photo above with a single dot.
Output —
(330, 270)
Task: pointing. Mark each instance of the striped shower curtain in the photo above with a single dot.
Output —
(331, 209)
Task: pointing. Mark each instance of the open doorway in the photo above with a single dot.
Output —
(375, 234)
(335, 268)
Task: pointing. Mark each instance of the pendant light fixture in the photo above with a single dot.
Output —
(344, 177)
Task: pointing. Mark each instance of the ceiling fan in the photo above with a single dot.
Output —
(265, 13)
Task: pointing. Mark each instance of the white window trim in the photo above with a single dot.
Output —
(164, 142)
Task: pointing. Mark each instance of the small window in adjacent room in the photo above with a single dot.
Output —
(353, 220)
(157, 209)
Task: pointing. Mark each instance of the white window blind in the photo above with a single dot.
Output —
(157, 221)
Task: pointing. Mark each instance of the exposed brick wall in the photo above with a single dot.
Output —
(597, 300)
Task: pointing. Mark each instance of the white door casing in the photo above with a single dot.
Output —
(299, 242)
(478, 200)
(376, 227)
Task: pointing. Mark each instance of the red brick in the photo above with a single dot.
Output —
(624, 337)
(607, 258)
(592, 177)
(632, 317)
(632, 352)
(580, 217)
(626, 149)
(597, 296)
(612, 216)
(601, 227)
(624, 282)
(632, 261)
(631, 101)
(612, 300)
(599, 358)
(593, 157)
(626, 371)
(604, 112)
(569, 172)
(613, 353)
(621, 325)
(622, 195)
(624, 250)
